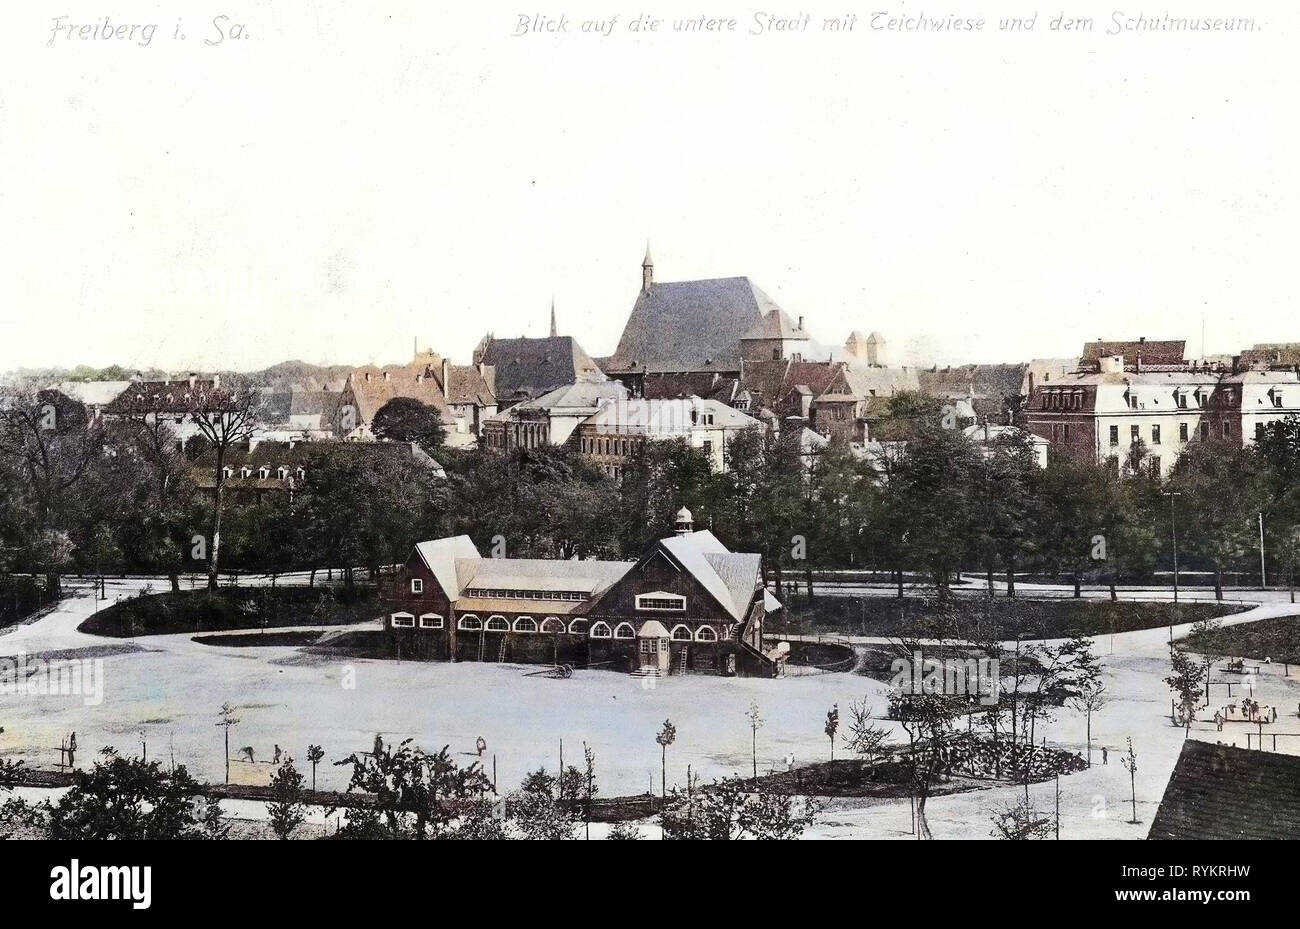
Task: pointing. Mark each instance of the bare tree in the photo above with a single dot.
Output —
(864, 737)
(755, 722)
(225, 417)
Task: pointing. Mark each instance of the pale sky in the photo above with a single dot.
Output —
(352, 176)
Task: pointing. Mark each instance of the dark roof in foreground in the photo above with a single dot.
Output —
(1222, 792)
(691, 325)
(1166, 352)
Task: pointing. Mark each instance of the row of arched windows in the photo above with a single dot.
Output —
(552, 624)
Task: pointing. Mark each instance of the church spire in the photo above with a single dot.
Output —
(553, 332)
(647, 270)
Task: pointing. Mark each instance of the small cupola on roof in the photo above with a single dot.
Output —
(647, 271)
(685, 522)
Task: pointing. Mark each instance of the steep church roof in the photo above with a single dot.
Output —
(691, 325)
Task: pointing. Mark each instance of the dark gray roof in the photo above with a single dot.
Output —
(527, 368)
(1223, 792)
(691, 325)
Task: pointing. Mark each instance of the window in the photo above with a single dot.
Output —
(417, 585)
(497, 624)
(1205, 430)
(681, 634)
(1182, 432)
(660, 601)
(1067, 432)
(578, 627)
(470, 623)
(600, 631)
(706, 634)
(403, 621)
(1155, 435)
(1227, 430)
(708, 448)
(624, 631)
(706, 418)
(1133, 433)
(1114, 435)
(430, 621)
(525, 624)
(1155, 465)
(1277, 400)
(1182, 400)
(552, 624)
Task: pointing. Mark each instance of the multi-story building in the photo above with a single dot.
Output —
(552, 418)
(614, 435)
(1118, 407)
(464, 395)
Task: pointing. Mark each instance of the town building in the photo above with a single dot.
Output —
(990, 439)
(174, 402)
(464, 395)
(687, 605)
(992, 391)
(526, 369)
(614, 435)
(1119, 409)
(833, 398)
(257, 471)
(552, 418)
(95, 396)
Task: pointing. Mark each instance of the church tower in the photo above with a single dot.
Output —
(553, 332)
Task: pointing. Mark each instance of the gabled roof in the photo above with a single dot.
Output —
(572, 398)
(1223, 792)
(691, 325)
(667, 418)
(92, 393)
(420, 380)
(440, 556)
(528, 368)
(775, 324)
(1168, 352)
(730, 577)
(170, 397)
(549, 574)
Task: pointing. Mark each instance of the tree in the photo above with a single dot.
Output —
(538, 812)
(211, 820)
(419, 795)
(589, 788)
(1090, 698)
(224, 417)
(406, 419)
(286, 808)
(623, 831)
(1185, 681)
(832, 726)
(1130, 762)
(152, 441)
(315, 754)
(1020, 820)
(865, 738)
(666, 736)
(726, 811)
(755, 723)
(128, 798)
(1218, 479)
(227, 718)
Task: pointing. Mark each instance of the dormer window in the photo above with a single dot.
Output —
(245, 471)
(282, 473)
(264, 473)
(227, 472)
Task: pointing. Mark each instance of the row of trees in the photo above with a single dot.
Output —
(94, 497)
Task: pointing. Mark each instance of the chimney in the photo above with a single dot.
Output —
(419, 379)
(446, 385)
(216, 381)
(1139, 358)
(367, 377)
(386, 375)
(193, 377)
(801, 324)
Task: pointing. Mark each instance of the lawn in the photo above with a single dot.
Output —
(1278, 639)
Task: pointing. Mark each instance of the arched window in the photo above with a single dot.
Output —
(600, 630)
(624, 631)
(553, 624)
(705, 634)
(497, 624)
(525, 624)
(403, 621)
(470, 623)
(430, 621)
(578, 627)
(681, 634)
